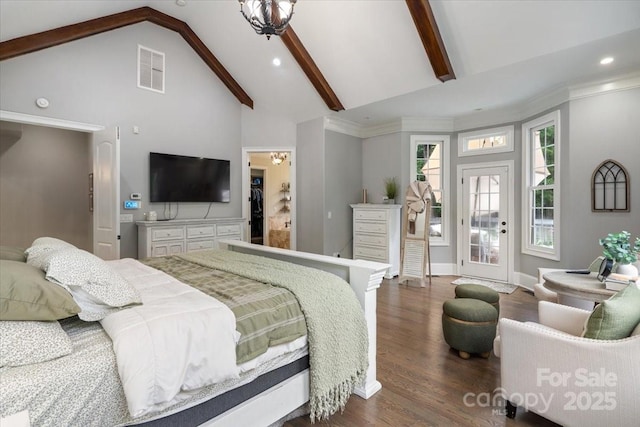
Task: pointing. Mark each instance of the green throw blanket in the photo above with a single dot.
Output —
(337, 330)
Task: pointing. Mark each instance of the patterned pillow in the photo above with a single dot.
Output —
(26, 295)
(41, 247)
(24, 343)
(95, 287)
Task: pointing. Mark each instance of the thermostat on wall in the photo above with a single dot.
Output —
(132, 204)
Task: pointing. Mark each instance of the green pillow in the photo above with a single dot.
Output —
(26, 295)
(12, 253)
(616, 317)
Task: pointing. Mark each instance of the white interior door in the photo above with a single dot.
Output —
(106, 193)
(486, 243)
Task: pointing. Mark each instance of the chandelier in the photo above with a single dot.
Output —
(278, 158)
(268, 17)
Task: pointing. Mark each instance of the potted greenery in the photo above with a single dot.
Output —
(617, 247)
(391, 189)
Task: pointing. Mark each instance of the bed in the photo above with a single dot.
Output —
(260, 391)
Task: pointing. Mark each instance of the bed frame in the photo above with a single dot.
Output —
(274, 404)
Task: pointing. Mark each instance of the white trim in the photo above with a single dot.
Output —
(445, 141)
(292, 180)
(510, 165)
(12, 116)
(464, 138)
(552, 117)
(444, 269)
(525, 280)
(583, 91)
(343, 126)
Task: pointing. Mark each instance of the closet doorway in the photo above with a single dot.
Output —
(268, 181)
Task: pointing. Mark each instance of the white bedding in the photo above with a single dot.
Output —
(167, 345)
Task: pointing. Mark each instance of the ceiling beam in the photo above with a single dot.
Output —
(46, 39)
(431, 40)
(297, 49)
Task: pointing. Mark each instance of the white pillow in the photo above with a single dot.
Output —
(95, 287)
(41, 247)
(27, 342)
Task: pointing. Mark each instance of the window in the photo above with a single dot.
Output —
(429, 162)
(486, 141)
(541, 195)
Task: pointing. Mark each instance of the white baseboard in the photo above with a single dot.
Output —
(525, 280)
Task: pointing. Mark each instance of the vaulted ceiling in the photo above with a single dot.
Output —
(370, 58)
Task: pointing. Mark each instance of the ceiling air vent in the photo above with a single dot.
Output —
(150, 69)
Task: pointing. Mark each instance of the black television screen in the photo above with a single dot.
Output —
(176, 178)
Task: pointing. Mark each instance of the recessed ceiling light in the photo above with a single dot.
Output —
(607, 60)
(477, 109)
(181, 2)
(276, 62)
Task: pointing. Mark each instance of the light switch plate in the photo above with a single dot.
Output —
(126, 218)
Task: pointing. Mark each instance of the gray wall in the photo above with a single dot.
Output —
(343, 187)
(93, 80)
(310, 173)
(602, 127)
(44, 185)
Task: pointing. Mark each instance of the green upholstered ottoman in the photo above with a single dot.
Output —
(469, 326)
(469, 290)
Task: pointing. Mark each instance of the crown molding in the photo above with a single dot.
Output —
(12, 116)
(491, 118)
(343, 126)
(627, 82)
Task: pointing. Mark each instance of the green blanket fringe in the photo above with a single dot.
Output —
(338, 351)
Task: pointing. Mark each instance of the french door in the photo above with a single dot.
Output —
(485, 221)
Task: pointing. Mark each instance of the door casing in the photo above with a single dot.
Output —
(509, 164)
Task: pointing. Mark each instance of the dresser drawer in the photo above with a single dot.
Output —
(168, 248)
(370, 227)
(370, 253)
(160, 234)
(200, 231)
(371, 214)
(200, 245)
(229, 229)
(370, 240)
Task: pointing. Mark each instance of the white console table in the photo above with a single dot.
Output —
(160, 238)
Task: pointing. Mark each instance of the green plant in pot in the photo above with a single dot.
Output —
(617, 247)
(391, 189)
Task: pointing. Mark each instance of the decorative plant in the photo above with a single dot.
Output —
(617, 247)
(391, 187)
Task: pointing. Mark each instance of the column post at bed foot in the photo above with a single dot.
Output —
(365, 281)
(511, 410)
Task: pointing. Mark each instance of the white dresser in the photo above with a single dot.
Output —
(159, 238)
(376, 234)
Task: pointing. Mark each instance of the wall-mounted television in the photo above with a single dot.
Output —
(175, 178)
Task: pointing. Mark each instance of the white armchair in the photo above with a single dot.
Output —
(547, 368)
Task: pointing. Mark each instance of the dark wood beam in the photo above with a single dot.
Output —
(297, 49)
(431, 40)
(46, 39)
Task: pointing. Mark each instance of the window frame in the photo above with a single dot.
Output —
(544, 121)
(465, 137)
(445, 142)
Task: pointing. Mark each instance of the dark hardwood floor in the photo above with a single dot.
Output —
(424, 382)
